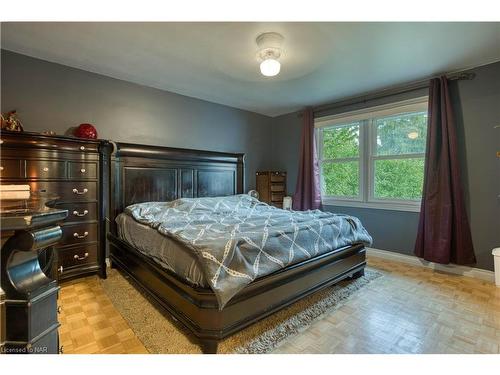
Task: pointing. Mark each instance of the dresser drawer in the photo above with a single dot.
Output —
(77, 256)
(88, 147)
(277, 177)
(79, 211)
(45, 169)
(82, 170)
(68, 191)
(78, 233)
(278, 187)
(10, 168)
(79, 191)
(277, 197)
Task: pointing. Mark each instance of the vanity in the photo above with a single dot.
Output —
(30, 311)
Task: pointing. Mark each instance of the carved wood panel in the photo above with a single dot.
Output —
(187, 183)
(149, 184)
(215, 183)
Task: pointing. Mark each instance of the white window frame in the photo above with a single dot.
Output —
(359, 158)
(367, 141)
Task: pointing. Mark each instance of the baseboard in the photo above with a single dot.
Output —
(475, 273)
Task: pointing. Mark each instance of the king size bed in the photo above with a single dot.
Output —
(215, 259)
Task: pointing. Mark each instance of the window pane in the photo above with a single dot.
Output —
(401, 134)
(341, 179)
(341, 142)
(399, 179)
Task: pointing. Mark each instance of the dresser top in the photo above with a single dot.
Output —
(31, 140)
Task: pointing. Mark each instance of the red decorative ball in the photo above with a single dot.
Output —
(86, 131)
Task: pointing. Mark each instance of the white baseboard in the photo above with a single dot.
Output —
(475, 273)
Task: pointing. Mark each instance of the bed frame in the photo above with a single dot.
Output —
(141, 173)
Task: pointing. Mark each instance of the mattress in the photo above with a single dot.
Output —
(165, 251)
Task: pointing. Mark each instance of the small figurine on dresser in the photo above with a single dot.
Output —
(10, 122)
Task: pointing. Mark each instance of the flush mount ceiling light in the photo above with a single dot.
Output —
(269, 53)
(413, 134)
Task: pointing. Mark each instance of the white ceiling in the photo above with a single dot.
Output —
(322, 62)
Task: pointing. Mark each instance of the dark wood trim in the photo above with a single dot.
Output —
(171, 153)
(105, 149)
(27, 138)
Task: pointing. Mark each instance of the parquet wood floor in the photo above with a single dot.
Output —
(409, 310)
(90, 323)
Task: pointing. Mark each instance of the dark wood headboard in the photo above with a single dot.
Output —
(142, 173)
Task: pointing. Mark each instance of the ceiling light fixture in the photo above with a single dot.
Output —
(269, 53)
(413, 135)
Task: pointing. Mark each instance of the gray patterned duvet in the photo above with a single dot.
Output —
(169, 253)
(238, 239)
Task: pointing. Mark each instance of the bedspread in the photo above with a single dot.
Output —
(238, 239)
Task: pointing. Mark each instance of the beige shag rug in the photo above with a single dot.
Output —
(161, 334)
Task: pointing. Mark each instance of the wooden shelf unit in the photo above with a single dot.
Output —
(271, 186)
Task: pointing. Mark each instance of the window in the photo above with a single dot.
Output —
(341, 160)
(374, 158)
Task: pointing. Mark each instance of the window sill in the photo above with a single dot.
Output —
(390, 206)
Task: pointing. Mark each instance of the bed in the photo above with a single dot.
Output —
(175, 281)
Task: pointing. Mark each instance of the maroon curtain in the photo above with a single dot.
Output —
(307, 192)
(443, 231)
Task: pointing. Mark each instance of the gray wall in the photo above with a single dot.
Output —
(477, 108)
(57, 97)
(477, 105)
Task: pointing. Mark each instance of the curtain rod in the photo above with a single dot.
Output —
(389, 91)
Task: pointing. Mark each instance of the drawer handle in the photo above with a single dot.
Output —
(76, 213)
(85, 256)
(59, 309)
(76, 191)
(60, 269)
(1, 168)
(61, 349)
(45, 169)
(82, 148)
(76, 235)
(83, 170)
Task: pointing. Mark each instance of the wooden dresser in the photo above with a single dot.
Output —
(271, 186)
(74, 170)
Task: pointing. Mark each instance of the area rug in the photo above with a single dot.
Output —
(161, 334)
